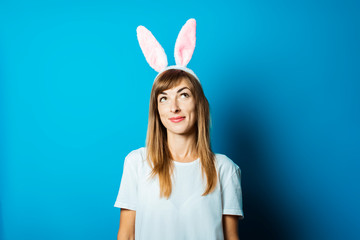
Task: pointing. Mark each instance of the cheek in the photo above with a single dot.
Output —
(161, 111)
(192, 108)
(194, 113)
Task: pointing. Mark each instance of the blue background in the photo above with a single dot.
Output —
(282, 79)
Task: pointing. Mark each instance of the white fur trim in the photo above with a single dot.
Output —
(178, 67)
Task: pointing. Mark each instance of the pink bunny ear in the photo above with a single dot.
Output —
(154, 53)
(185, 43)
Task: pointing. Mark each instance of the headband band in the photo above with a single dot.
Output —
(188, 70)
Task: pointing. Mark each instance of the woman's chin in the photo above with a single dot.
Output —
(180, 131)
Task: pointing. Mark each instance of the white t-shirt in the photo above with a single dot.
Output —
(186, 215)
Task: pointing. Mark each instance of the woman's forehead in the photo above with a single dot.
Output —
(183, 83)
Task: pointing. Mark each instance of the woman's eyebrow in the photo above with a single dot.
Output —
(177, 91)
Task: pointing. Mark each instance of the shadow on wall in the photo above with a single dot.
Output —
(246, 144)
(262, 217)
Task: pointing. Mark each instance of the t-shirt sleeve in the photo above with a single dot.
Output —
(232, 195)
(127, 194)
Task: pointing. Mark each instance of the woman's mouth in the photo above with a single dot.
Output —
(177, 119)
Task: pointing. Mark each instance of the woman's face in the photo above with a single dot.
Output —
(174, 103)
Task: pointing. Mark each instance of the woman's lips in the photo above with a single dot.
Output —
(176, 120)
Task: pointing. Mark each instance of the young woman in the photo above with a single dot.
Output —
(176, 187)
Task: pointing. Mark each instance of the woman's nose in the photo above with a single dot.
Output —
(174, 106)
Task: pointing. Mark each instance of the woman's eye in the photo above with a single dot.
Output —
(185, 94)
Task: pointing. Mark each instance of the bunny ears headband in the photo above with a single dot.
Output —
(155, 54)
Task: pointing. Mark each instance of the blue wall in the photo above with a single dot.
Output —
(282, 79)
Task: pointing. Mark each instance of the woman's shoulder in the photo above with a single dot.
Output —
(226, 167)
(225, 163)
(136, 156)
(136, 151)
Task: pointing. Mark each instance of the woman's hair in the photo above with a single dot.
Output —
(158, 153)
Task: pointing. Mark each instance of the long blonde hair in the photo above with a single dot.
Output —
(158, 154)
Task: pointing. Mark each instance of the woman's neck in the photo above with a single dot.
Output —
(182, 147)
